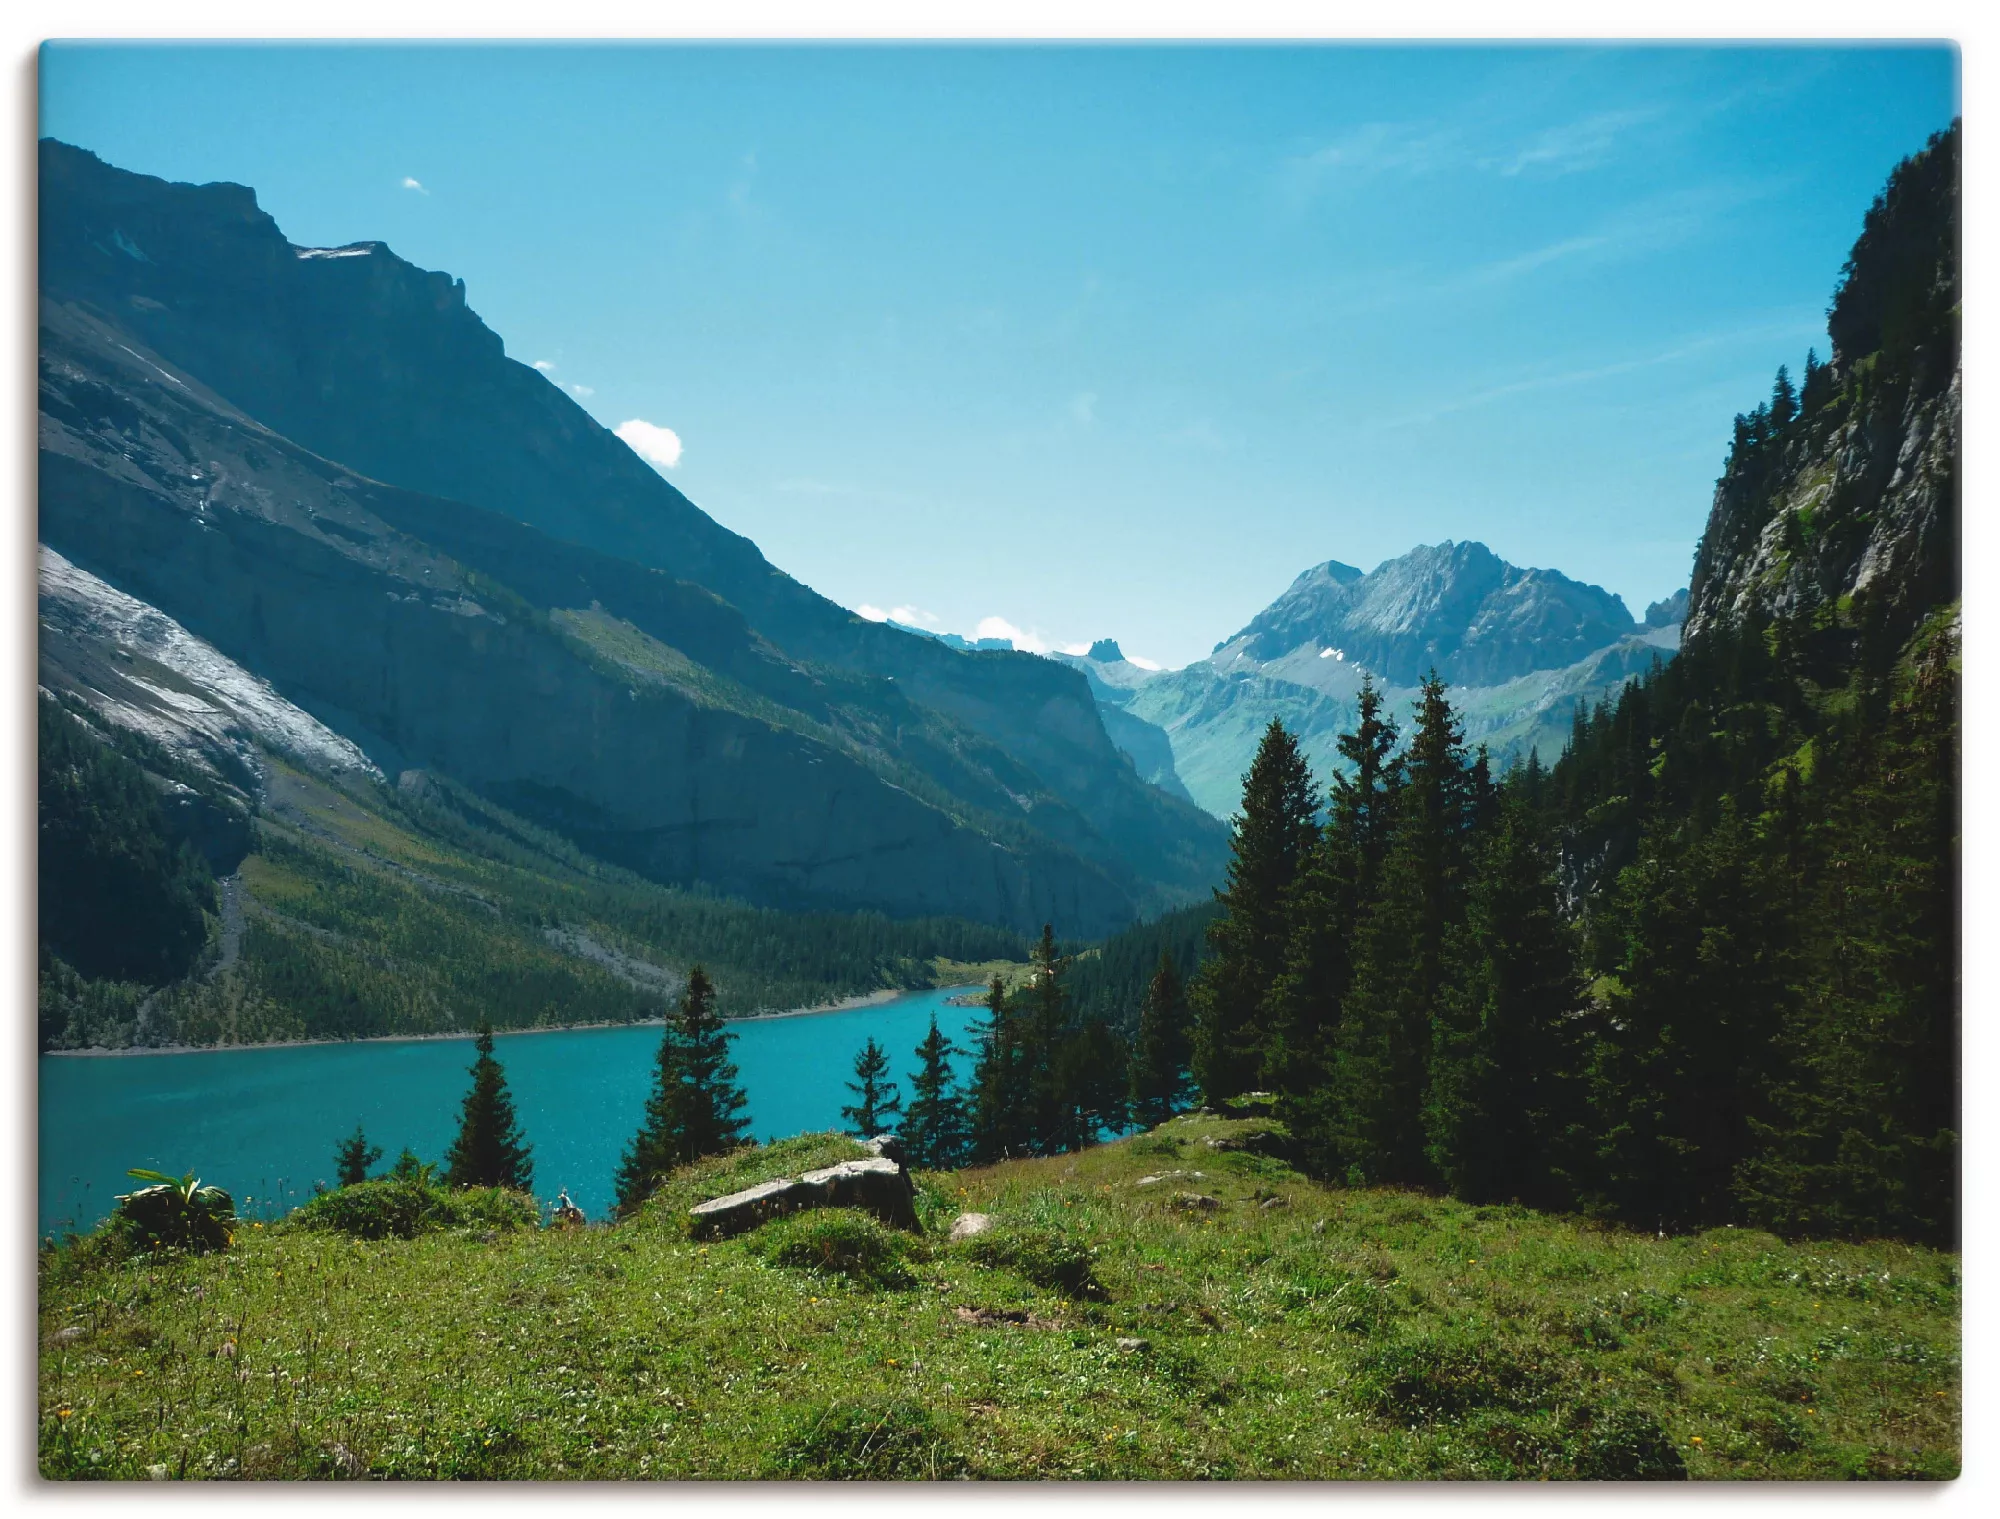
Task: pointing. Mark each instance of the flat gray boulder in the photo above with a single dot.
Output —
(876, 1185)
(969, 1225)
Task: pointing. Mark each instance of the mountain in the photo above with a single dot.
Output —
(322, 463)
(1520, 648)
(1847, 493)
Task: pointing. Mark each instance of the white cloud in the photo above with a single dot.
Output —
(411, 184)
(1083, 407)
(872, 614)
(1142, 662)
(916, 617)
(580, 391)
(658, 446)
(544, 366)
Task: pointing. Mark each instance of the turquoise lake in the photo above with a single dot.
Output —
(263, 1122)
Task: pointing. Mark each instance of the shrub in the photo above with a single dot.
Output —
(1047, 1257)
(175, 1214)
(1627, 1444)
(1422, 1377)
(392, 1209)
(838, 1241)
(859, 1442)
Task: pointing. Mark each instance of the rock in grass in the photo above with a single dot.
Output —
(1195, 1202)
(1132, 1345)
(877, 1185)
(967, 1225)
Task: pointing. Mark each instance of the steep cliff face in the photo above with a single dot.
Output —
(305, 573)
(363, 358)
(1838, 510)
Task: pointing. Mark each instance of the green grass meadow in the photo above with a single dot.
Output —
(1177, 1305)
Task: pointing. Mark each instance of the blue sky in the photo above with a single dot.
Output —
(1098, 341)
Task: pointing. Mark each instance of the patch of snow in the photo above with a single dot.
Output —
(361, 252)
(232, 701)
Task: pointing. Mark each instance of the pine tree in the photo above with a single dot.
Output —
(1098, 1081)
(489, 1150)
(1784, 401)
(935, 1133)
(1270, 841)
(658, 1147)
(1506, 1112)
(1002, 1121)
(1683, 1068)
(1160, 1081)
(880, 1102)
(1054, 1095)
(1382, 1047)
(353, 1156)
(1333, 886)
(711, 1103)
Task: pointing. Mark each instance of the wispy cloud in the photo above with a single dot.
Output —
(658, 446)
(412, 184)
(1573, 145)
(544, 366)
(1594, 373)
(581, 391)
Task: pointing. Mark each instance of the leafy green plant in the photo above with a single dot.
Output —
(402, 1209)
(860, 1442)
(1422, 1377)
(837, 1241)
(1047, 1257)
(175, 1213)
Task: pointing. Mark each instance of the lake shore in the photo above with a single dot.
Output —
(819, 1010)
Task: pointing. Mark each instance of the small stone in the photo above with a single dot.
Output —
(1127, 1343)
(1275, 1202)
(1196, 1202)
(969, 1225)
(157, 1472)
(66, 1336)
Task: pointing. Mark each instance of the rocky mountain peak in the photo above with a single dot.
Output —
(1106, 651)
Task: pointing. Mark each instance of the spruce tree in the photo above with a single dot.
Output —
(1160, 1079)
(658, 1147)
(1002, 1120)
(1054, 1078)
(880, 1100)
(1098, 1081)
(1506, 1112)
(711, 1102)
(1332, 889)
(353, 1156)
(1382, 1046)
(934, 1131)
(489, 1150)
(1269, 842)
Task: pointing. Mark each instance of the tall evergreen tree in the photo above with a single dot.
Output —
(658, 1147)
(1506, 1115)
(1332, 889)
(1002, 1110)
(712, 1103)
(1382, 1049)
(1684, 1065)
(880, 1099)
(935, 1132)
(1098, 1080)
(353, 1156)
(489, 1150)
(1055, 1098)
(1160, 1081)
(1269, 843)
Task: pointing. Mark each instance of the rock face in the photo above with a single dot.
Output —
(970, 1226)
(1851, 508)
(491, 585)
(878, 1185)
(1520, 648)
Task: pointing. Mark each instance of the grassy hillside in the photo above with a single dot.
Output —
(1109, 1327)
(367, 910)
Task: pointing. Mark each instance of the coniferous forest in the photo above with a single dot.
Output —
(1705, 967)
